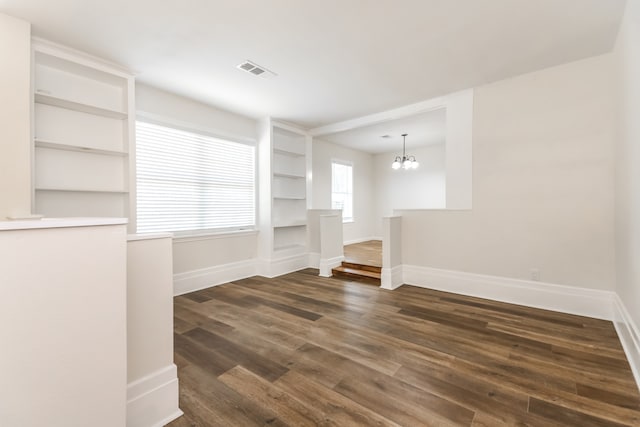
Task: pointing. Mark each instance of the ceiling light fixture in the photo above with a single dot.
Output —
(405, 162)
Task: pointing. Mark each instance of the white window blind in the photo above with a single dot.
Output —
(342, 189)
(189, 182)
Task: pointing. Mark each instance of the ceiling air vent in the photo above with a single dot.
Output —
(256, 70)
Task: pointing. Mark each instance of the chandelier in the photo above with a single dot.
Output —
(404, 162)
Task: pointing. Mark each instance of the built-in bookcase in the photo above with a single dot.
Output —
(289, 190)
(285, 190)
(83, 124)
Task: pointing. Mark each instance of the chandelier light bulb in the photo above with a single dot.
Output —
(405, 162)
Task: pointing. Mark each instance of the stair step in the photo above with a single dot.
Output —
(356, 272)
(357, 266)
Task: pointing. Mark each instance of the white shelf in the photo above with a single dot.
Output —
(67, 147)
(287, 152)
(55, 101)
(301, 223)
(288, 175)
(78, 190)
(82, 130)
(289, 197)
(286, 155)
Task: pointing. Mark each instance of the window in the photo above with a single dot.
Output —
(342, 189)
(189, 182)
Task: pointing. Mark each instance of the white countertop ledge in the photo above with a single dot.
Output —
(149, 236)
(33, 224)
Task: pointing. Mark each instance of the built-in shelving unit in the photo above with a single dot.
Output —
(285, 156)
(83, 124)
(289, 192)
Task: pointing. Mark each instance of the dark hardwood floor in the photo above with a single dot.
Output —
(302, 350)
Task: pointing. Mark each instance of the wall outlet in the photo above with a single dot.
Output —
(535, 274)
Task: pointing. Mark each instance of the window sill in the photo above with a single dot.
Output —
(213, 235)
(348, 221)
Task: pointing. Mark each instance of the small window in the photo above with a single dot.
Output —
(189, 183)
(342, 189)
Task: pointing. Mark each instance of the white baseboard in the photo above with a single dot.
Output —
(152, 401)
(327, 264)
(277, 267)
(314, 260)
(629, 335)
(548, 296)
(360, 240)
(391, 278)
(195, 280)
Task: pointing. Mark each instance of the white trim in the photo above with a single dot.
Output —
(51, 48)
(289, 127)
(214, 235)
(148, 236)
(629, 336)
(152, 401)
(195, 280)
(314, 259)
(271, 268)
(327, 264)
(38, 223)
(391, 278)
(384, 116)
(360, 240)
(548, 296)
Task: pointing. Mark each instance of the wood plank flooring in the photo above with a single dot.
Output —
(367, 253)
(302, 350)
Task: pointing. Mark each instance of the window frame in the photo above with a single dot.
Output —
(187, 235)
(345, 220)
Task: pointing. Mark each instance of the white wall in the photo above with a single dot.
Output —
(542, 183)
(152, 378)
(422, 188)
(627, 53)
(15, 124)
(459, 149)
(149, 306)
(323, 152)
(168, 105)
(64, 338)
(201, 253)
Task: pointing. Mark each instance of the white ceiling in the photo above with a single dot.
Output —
(422, 129)
(335, 59)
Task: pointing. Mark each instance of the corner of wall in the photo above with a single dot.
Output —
(629, 336)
